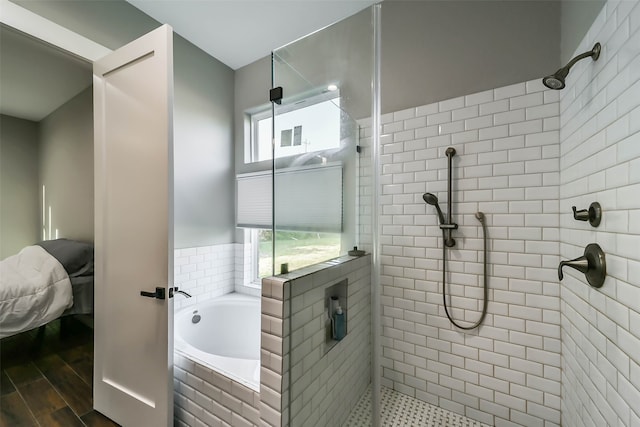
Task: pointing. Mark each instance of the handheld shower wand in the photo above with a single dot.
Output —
(432, 199)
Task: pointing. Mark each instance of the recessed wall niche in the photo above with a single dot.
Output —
(334, 296)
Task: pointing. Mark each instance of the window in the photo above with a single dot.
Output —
(302, 127)
(296, 248)
(308, 215)
(310, 125)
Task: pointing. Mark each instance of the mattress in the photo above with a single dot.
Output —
(50, 279)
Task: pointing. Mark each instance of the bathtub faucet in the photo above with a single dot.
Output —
(176, 291)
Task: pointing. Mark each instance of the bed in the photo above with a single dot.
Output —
(43, 282)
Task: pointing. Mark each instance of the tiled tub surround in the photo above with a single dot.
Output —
(325, 387)
(600, 161)
(507, 372)
(204, 397)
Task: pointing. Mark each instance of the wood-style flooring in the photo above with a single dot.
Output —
(46, 377)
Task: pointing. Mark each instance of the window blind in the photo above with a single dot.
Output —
(307, 199)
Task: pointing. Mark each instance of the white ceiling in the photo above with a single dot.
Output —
(239, 32)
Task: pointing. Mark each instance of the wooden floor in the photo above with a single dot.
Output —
(46, 377)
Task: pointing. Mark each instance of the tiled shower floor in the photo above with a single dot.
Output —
(401, 410)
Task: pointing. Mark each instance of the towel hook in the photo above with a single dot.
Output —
(593, 215)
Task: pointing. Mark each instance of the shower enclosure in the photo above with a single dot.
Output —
(323, 197)
(525, 154)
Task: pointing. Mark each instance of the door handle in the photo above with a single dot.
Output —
(159, 293)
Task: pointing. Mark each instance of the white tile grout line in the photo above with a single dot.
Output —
(402, 410)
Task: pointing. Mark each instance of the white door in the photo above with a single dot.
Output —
(133, 104)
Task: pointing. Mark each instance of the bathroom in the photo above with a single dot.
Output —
(548, 352)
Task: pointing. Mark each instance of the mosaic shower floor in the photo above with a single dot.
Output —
(401, 410)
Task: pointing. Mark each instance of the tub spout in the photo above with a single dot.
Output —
(592, 264)
(176, 291)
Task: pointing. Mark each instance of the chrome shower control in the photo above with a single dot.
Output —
(593, 215)
(592, 264)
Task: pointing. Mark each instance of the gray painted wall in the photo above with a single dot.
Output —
(203, 151)
(19, 207)
(436, 50)
(66, 167)
(203, 121)
(576, 17)
(251, 91)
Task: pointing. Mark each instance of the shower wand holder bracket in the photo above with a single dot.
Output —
(452, 226)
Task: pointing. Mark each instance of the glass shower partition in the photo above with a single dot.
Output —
(322, 194)
(315, 147)
(326, 82)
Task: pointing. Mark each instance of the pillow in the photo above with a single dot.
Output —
(76, 257)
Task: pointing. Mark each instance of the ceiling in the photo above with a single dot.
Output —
(37, 78)
(239, 32)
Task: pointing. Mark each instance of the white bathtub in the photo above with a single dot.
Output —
(227, 337)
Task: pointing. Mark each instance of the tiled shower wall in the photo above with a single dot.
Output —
(324, 384)
(600, 161)
(507, 372)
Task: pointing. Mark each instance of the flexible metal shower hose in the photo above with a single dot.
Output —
(480, 216)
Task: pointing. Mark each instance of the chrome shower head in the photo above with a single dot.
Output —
(432, 199)
(556, 80)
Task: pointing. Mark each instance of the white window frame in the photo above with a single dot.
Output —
(256, 280)
(266, 113)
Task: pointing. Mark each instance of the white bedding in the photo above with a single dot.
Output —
(34, 290)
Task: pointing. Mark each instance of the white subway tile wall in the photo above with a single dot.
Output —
(273, 407)
(600, 161)
(365, 187)
(204, 272)
(507, 165)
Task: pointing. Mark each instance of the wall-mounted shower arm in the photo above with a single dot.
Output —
(556, 80)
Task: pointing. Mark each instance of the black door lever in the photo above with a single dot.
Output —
(159, 293)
